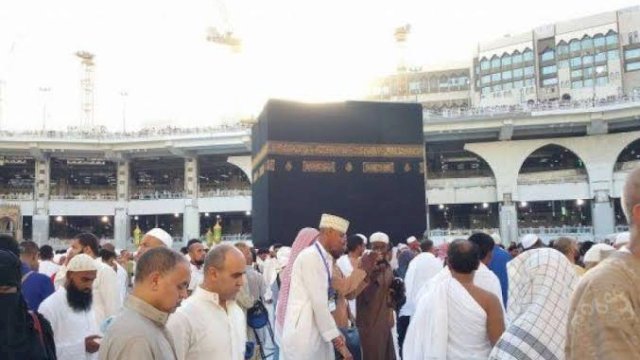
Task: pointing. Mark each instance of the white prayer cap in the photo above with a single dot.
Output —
(82, 262)
(411, 240)
(496, 238)
(364, 238)
(528, 240)
(379, 237)
(402, 246)
(622, 238)
(334, 222)
(597, 253)
(162, 236)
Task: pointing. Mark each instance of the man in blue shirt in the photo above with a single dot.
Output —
(498, 265)
(35, 286)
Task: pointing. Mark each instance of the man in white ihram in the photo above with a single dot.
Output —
(309, 330)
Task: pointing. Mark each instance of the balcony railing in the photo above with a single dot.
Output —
(527, 110)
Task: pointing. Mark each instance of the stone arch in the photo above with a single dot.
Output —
(541, 146)
(630, 152)
(572, 154)
(483, 165)
(222, 174)
(7, 225)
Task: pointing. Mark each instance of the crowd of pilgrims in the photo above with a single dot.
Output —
(328, 296)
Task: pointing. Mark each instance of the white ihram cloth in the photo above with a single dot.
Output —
(448, 324)
(106, 295)
(123, 279)
(197, 276)
(344, 263)
(308, 325)
(202, 329)
(485, 279)
(48, 267)
(70, 327)
(421, 269)
(541, 282)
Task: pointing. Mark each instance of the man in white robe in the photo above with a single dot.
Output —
(196, 261)
(356, 244)
(210, 324)
(309, 330)
(484, 277)
(455, 319)
(70, 312)
(421, 269)
(106, 295)
(47, 266)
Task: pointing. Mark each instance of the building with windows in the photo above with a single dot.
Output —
(536, 134)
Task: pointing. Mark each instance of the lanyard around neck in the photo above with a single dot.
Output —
(324, 261)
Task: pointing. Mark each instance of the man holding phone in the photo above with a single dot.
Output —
(375, 305)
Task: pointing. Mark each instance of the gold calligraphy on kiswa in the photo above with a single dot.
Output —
(338, 150)
(370, 167)
(319, 166)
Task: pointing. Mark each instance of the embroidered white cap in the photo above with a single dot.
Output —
(162, 236)
(411, 239)
(328, 221)
(528, 240)
(82, 262)
(622, 238)
(379, 237)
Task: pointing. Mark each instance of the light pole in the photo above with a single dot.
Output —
(44, 90)
(124, 94)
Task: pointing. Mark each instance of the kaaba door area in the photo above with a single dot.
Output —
(363, 161)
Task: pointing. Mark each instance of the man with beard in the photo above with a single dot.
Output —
(70, 312)
(106, 295)
(196, 255)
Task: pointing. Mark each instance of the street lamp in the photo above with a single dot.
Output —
(124, 95)
(44, 90)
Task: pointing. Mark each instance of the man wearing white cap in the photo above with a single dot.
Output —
(155, 237)
(413, 244)
(70, 312)
(375, 312)
(309, 330)
(106, 295)
(531, 241)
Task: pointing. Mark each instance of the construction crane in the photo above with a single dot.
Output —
(86, 88)
(223, 33)
(401, 35)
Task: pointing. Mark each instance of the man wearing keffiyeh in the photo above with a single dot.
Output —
(541, 282)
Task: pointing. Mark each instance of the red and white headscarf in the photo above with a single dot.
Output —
(303, 240)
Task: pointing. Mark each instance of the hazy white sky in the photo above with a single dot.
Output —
(156, 51)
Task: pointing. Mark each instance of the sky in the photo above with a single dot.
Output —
(155, 52)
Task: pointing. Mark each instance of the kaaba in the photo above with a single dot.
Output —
(363, 161)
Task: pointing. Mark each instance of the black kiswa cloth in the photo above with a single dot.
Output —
(20, 338)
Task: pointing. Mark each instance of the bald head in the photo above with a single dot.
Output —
(631, 197)
(224, 269)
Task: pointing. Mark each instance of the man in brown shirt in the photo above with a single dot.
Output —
(349, 287)
(375, 307)
(604, 318)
